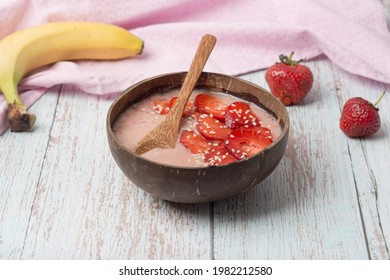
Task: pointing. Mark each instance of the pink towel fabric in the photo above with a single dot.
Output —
(251, 34)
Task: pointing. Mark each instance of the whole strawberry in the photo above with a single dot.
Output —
(288, 80)
(360, 118)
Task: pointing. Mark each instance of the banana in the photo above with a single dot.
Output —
(26, 50)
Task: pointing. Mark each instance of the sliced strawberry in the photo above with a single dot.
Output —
(213, 151)
(217, 155)
(195, 143)
(259, 130)
(211, 128)
(189, 108)
(239, 114)
(208, 104)
(243, 143)
(161, 106)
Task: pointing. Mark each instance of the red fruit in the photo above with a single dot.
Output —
(360, 117)
(259, 130)
(161, 106)
(239, 114)
(288, 80)
(194, 142)
(211, 128)
(243, 143)
(217, 155)
(188, 109)
(208, 104)
(214, 151)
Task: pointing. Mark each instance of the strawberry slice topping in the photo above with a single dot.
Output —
(217, 155)
(211, 128)
(259, 130)
(195, 143)
(188, 109)
(243, 143)
(161, 106)
(239, 114)
(209, 104)
(214, 151)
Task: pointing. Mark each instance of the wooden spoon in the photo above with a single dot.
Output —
(165, 134)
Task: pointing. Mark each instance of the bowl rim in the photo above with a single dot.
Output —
(283, 133)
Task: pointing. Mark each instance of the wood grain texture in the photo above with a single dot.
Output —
(86, 209)
(21, 158)
(63, 197)
(295, 213)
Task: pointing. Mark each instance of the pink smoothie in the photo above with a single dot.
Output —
(133, 124)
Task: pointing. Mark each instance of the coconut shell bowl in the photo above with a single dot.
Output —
(198, 184)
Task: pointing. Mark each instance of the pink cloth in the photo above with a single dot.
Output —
(251, 34)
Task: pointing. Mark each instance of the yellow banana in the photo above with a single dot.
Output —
(29, 49)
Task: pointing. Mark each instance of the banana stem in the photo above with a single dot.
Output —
(18, 118)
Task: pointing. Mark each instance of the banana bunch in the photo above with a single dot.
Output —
(29, 49)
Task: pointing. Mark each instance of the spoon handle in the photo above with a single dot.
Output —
(203, 52)
(165, 134)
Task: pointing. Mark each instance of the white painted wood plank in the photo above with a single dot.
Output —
(370, 159)
(308, 208)
(85, 208)
(21, 159)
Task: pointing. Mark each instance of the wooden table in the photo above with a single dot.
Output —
(62, 196)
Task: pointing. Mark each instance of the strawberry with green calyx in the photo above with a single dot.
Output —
(360, 118)
(289, 80)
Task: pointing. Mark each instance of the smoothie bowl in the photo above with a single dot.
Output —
(233, 135)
